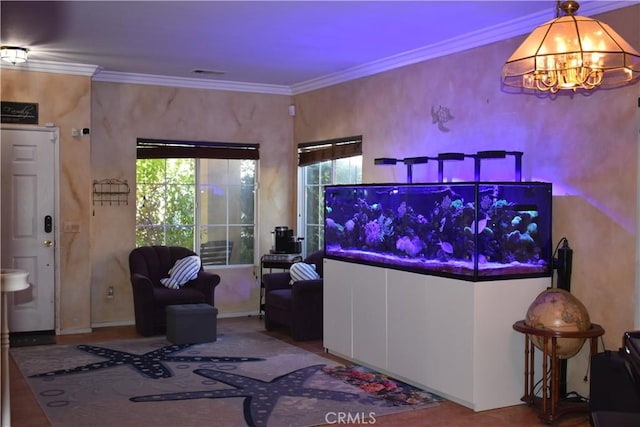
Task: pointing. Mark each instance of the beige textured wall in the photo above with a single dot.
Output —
(123, 112)
(65, 101)
(585, 145)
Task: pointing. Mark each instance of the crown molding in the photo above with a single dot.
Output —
(467, 41)
(149, 79)
(53, 67)
(496, 33)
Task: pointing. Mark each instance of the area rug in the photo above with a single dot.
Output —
(242, 379)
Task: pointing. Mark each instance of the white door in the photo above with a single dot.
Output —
(28, 223)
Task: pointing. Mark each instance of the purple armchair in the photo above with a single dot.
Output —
(297, 306)
(149, 264)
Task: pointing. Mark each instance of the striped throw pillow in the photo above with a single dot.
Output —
(302, 271)
(184, 270)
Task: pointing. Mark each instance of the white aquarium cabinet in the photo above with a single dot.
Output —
(448, 336)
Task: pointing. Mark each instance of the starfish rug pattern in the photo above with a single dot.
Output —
(150, 364)
(161, 383)
(260, 397)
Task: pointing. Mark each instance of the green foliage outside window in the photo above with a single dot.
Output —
(165, 202)
(167, 211)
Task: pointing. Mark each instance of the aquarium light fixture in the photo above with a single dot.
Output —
(449, 156)
(492, 154)
(453, 156)
(385, 161)
(571, 52)
(442, 157)
(416, 160)
(408, 161)
(498, 154)
(392, 161)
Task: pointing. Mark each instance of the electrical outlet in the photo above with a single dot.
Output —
(110, 292)
(70, 227)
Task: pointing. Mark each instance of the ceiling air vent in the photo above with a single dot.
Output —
(209, 72)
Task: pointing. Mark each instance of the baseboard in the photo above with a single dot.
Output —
(111, 324)
(238, 314)
(132, 322)
(73, 331)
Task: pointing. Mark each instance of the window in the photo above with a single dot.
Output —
(324, 163)
(205, 204)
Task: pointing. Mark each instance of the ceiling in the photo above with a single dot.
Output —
(288, 45)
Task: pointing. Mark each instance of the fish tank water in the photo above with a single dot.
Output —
(473, 231)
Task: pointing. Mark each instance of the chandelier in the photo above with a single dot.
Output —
(13, 54)
(571, 52)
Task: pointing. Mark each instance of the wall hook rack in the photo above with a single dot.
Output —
(111, 191)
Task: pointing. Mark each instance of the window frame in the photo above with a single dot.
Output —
(160, 149)
(311, 153)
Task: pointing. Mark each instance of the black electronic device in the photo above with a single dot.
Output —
(563, 264)
(286, 242)
(48, 224)
(614, 390)
(631, 353)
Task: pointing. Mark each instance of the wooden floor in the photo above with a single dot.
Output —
(25, 411)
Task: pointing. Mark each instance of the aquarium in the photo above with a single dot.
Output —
(472, 231)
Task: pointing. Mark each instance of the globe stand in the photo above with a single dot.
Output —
(550, 406)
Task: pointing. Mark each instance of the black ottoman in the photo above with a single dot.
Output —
(191, 323)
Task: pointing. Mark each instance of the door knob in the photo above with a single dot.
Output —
(48, 243)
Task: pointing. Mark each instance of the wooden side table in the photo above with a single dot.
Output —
(550, 405)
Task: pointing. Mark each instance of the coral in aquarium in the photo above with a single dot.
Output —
(411, 247)
(373, 234)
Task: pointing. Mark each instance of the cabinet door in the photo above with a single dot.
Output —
(499, 350)
(337, 296)
(450, 315)
(407, 327)
(370, 315)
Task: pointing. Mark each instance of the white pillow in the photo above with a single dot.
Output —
(184, 270)
(302, 271)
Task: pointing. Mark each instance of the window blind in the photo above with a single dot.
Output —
(332, 149)
(168, 149)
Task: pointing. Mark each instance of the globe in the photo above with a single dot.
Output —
(558, 310)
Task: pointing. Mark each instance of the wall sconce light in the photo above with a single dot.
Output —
(571, 52)
(14, 54)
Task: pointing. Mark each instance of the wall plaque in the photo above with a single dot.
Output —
(24, 113)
